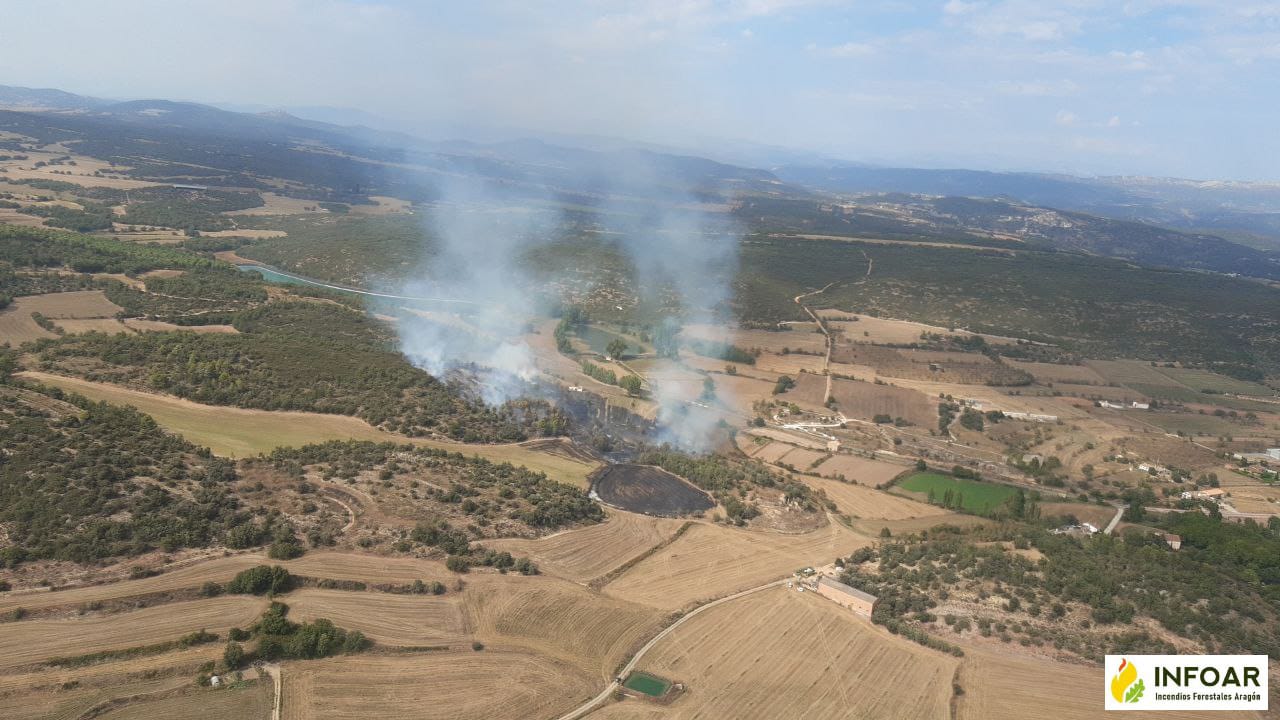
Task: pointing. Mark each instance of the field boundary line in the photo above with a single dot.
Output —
(591, 704)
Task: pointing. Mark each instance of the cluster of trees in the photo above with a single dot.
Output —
(785, 383)
(25, 247)
(1221, 591)
(462, 555)
(723, 351)
(478, 487)
(724, 478)
(572, 318)
(300, 356)
(278, 637)
(261, 580)
(199, 296)
(193, 212)
(71, 489)
(92, 217)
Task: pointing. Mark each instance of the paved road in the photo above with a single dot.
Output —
(591, 704)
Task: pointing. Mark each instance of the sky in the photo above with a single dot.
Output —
(1186, 88)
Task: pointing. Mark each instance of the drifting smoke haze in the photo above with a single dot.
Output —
(682, 257)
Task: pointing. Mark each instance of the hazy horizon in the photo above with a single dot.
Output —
(1152, 87)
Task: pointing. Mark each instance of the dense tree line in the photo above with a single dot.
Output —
(302, 356)
(1221, 591)
(72, 483)
(39, 248)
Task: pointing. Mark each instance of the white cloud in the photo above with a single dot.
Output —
(1038, 88)
(844, 50)
(958, 7)
(1066, 118)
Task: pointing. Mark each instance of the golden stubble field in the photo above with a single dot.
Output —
(780, 653)
(710, 561)
(584, 554)
(1000, 685)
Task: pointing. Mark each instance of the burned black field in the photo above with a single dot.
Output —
(649, 490)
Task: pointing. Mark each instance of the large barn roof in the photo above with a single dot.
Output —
(855, 592)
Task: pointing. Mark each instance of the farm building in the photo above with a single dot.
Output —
(852, 598)
(1173, 541)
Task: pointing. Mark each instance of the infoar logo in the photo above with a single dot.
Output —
(1126, 686)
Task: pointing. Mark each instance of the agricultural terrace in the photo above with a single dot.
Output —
(971, 495)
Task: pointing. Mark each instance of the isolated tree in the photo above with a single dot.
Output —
(233, 655)
(615, 348)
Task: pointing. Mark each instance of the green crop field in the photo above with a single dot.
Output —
(647, 684)
(976, 497)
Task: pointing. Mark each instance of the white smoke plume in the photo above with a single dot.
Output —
(678, 250)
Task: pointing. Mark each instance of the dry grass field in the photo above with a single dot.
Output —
(586, 553)
(54, 703)
(31, 641)
(253, 701)
(999, 685)
(391, 620)
(779, 653)
(796, 337)
(142, 325)
(860, 470)
(711, 561)
(237, 432)
(110, 326)
(17, 326)
(789, 364)
(1131, 371)
(1056, 373)
(864, 502)
(77, 304)
(319, 564)
(493, 684)
(557, 619)
(865, 400)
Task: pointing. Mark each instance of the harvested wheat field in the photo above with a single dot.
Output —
(142, 325)
(860, 470)
(864, 502)
(217, 569)
(31, 641)
(389, 620)
(1097, 515)
(110, 326)
(779, 653)
(78, 304)
(55, 703)
(791, 364)
(251, 701)
(18, 327)
(772, 452)
(865, 400)
(491, 684)
(586, 553)
(1003, 686)
(711, 561)
(557, 619)
(801, 458)
(1057, 373)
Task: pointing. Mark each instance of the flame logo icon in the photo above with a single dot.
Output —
(1123, 686)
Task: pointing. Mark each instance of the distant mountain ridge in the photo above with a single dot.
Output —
(1127, 218)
